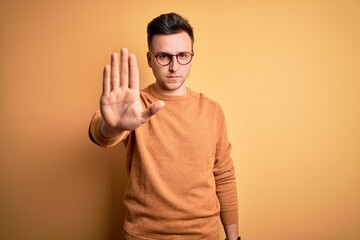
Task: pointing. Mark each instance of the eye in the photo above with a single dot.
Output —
(163, 56)
(183, 55)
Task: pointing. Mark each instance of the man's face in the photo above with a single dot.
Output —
(170, 79)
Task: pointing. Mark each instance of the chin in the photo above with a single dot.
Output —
(170, 86)
(174, 85)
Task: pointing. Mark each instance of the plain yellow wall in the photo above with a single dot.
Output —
(287, 74)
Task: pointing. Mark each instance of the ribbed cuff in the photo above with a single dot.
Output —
(229, 217)
(96, 137)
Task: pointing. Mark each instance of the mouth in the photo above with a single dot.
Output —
(173, 78)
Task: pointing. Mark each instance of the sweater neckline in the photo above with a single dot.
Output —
(160, 96)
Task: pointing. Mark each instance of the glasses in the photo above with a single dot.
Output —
(165, 59)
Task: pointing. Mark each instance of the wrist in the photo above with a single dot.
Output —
(107, 132)
(238, 238)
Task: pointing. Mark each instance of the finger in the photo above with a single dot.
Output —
(134, 72)
(106, 81)
(151, 110)
(114, 73)
(124, 67)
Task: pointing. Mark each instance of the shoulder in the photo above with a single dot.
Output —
(146, 96)
(206, 101)
(145, 91)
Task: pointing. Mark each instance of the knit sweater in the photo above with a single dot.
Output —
(180, 174)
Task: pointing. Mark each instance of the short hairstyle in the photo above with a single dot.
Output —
(168, 23)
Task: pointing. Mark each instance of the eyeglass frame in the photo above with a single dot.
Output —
(172, 56)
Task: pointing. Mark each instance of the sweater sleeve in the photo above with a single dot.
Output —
(96, 137)
(224, 174)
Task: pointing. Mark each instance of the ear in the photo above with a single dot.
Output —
(148, 57)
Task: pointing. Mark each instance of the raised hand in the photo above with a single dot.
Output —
(120, 103)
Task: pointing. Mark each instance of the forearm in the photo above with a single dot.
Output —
(227, 194)
(231, 231)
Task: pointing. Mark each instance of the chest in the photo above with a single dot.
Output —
(186, 132)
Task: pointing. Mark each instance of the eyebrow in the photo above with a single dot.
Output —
(161, 52)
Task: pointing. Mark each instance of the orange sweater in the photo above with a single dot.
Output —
(181, 176)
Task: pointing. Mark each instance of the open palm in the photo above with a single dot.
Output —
(120, 103)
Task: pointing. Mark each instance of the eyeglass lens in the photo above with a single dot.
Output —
(182, 58)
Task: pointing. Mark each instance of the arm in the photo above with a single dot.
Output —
(120, 106)
(224, 173)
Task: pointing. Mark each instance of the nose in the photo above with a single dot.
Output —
(174, 65)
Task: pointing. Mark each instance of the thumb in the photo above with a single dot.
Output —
(151, 110)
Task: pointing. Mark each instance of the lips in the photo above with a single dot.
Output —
(173, 79)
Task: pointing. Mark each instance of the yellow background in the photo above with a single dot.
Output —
(287, 74)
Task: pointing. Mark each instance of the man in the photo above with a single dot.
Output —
(181, 176)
